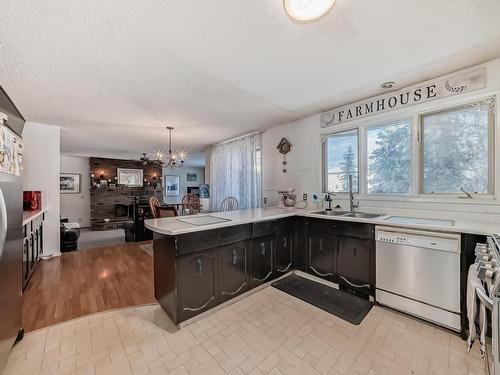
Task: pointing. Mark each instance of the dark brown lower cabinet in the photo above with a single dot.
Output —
(261, 260)
(355, 262)
(195, 272)
(198, 282)
(322, 254)
(283, 258)
(233, 270)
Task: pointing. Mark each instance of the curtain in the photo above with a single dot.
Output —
(235, 170)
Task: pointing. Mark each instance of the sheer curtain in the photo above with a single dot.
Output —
(235, 170)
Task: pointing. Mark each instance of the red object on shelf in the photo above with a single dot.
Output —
(32, 200)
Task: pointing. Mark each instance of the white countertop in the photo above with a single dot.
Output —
(31, 215)
(172, 226)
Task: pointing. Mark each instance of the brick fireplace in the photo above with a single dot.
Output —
(115, 202)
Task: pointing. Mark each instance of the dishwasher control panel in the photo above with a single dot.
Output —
(417, 238)
(392, 237)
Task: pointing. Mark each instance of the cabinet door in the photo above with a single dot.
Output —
(233, 275)
(26, 265)
(197, 283)
(354, 261)
(322, 251)
(284, 252)
(261, 260)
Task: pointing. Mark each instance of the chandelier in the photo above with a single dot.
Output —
(170, 159)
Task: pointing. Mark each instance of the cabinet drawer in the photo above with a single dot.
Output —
(264, 228)
(234, 234)
(358, 230)
(323, 226)
(189, 242)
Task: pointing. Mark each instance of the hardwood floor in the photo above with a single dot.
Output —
(85, 282)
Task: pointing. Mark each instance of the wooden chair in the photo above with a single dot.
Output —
(167, 211)
(190, 204)
(154, 205)
(229, 204)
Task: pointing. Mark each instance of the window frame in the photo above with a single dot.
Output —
(415, 116)
(324, 166)
(491, 152)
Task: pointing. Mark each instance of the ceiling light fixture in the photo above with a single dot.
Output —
(171, 160)
(307, 10)
(174, 159)
(388, 85)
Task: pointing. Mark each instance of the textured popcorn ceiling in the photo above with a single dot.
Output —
(113, 72)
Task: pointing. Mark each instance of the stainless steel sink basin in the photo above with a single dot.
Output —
(359, 215)
(362, 215)
(330, 213)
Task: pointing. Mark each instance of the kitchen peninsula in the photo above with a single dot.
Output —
(198, 267)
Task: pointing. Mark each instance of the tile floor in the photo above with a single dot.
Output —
(268, 332)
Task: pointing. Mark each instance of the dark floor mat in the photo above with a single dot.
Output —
(337, 302)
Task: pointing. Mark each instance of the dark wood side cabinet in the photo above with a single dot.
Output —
(32, 247)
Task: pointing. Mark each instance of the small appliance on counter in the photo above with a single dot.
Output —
(32, 200)
(288, 198)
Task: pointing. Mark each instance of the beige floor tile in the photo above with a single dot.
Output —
(268, 332)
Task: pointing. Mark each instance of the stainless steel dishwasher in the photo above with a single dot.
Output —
(418, 272)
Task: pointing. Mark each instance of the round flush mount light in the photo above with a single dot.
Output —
(307, 10)
(388, 85)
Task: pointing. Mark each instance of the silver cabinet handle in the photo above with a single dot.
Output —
(262, 248)
(355, 285)
(3, 222)
(235, 257)
(199, 269)
(321, 244)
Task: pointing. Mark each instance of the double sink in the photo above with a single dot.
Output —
(359, 215)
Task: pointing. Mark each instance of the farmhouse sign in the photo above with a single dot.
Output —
(420, 93)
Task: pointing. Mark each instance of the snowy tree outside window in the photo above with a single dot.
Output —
(342, 161)
(389, 158)
(456, 151)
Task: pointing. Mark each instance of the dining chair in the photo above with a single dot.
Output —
(190, 204)
(154, 205)
(229, 204)
(167, 211)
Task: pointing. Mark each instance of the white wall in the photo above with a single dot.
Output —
(76, 207)
(304, 161)
(41, 172)
(182, 172)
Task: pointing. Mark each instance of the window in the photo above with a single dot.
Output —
(456, 151)
(341, 160)
(389, 158)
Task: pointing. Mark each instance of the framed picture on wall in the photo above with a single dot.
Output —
(130, 177)
(172, 186)
(69, 183)
(191, 177)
